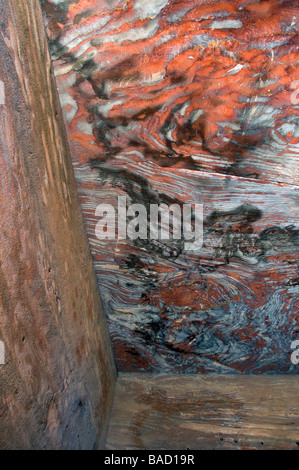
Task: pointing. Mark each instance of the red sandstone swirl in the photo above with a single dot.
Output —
(187, 101)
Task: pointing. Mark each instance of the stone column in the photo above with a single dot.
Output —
(57, 382)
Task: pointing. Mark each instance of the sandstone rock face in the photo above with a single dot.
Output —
(181, 101)
(56, 368)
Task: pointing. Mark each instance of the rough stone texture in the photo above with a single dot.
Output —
(189, 101)
(57, 383)
(171, 412)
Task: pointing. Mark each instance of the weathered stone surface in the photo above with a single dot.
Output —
(188, 101)
(57, 383)
(204, 412)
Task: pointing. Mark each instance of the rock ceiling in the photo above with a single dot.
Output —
(187, 101)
